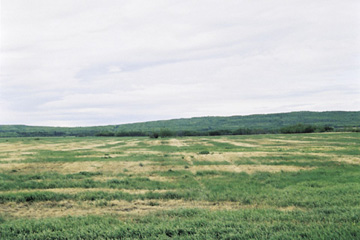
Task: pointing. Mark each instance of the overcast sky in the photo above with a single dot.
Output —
(81, 63)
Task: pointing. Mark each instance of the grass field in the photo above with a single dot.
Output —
(304, 186)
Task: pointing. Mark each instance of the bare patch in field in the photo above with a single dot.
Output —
(121, 208)
(288, 141)
(247, 168)
(156, 142)
(113, 167)
(102, 155)
(80, 190)
(15, 156)
(143, 151)
(324, 148)
(348, 159)
(220, 157)
(160, 178)
(289, 208)
(169, 142)
(152, 177)
(233, 142)
(131, 143)
(135, 168)
(179, 142)
(42, 145)
(200, 141)
(69, 145)
(72, 167)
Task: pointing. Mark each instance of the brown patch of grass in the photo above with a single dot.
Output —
(73, 167)
(348, 159)
(248, 168)
(224, 156)
(79, 190)
(115, 167)
(45, 145)
(143, 151)
(107, 167)
(200, 141)
(177, 143)
(289, 208)
(233, 142)
(132, 143)
(159, 178)
(170, 142)
(289, 141)
(157, 142)
(115, 207)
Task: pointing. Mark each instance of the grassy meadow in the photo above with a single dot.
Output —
(300, 186)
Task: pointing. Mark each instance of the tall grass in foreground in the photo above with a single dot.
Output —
(195, 224)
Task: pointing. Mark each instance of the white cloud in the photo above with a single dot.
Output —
(101, 62)
(114, 69)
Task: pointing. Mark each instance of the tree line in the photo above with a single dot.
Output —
(166, 132)
(163, 133)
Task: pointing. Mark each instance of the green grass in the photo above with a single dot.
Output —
(195, 224)
(320, 201)
(82, 180)
(309, 189)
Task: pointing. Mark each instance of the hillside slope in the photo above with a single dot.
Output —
(267, 122)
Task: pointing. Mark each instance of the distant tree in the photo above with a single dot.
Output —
(299, 128)
(166, 133)
(130, 134)
(242, 131)
(192, 133)
(105, 134)
(220, 132)
(154, 135)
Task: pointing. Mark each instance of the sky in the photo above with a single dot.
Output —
(91, 62)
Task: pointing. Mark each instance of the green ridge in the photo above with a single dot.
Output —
(265, 122)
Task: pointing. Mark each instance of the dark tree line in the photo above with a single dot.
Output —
(163, 133)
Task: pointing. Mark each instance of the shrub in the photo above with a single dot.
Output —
(204, 152)
(154, 135)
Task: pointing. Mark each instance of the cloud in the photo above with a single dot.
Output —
(87, 63)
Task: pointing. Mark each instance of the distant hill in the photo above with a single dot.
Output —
(259, 123)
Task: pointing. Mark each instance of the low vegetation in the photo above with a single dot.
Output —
(283, 186)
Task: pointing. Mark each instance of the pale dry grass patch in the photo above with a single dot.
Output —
(290, 141)
(248, 168)
(117, 207)
(104, 155)
(222, 156)
(348, 159)
(201, 141)
(132, 143)
(65, 146)
(182, 142)
(44, 145)
(72, 167)
(81, 190)
(234, 142)
(160, 178)
(145, 167)
(143, 151)
(169, 142)
(15, 156)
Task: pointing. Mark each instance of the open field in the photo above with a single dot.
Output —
(304, 186)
